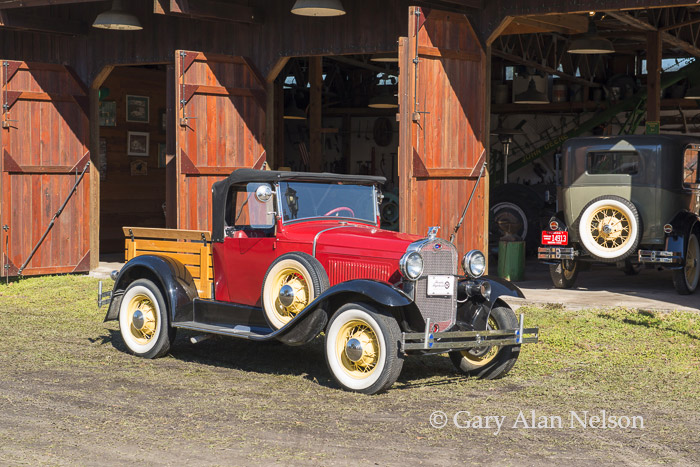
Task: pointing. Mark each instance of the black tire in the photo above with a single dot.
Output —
(143, 320)
(564, 274)
(480, 362)
(515, 205)
(364, 372)
(685, 279)
(310, 281)
(622, 242)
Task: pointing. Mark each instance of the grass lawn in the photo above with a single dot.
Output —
(70, 394)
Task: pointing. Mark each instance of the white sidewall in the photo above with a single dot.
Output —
(516, 208)
(585, 231)
(336, 366)
(694, 285)
(268, 299)
(124, 328)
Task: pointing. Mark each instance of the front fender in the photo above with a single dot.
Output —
(170, 275)
(501, 287)
(313, 319)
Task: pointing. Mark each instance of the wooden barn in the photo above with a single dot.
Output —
(130, 110)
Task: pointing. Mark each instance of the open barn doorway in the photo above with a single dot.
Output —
(132, 135)
(339, 116)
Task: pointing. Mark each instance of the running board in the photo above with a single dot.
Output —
(242, 331)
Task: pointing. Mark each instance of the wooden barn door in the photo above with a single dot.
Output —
(45, 132)
(442, 122)
(220, 128)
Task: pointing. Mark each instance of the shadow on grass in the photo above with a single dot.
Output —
(275, 358)
(650, 320)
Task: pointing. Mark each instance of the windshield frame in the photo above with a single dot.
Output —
(374, 222)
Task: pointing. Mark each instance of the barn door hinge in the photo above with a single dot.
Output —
(415, 116)
(185, 119)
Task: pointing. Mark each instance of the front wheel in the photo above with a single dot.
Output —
(685, 280)
(564, 274)
(490, 362)
(362, 349)
(143, 320)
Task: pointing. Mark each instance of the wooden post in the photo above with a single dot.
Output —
(653, 76)
(171, 129)
(316, 81)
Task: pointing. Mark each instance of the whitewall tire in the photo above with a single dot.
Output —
(143, 320)
(609, 228)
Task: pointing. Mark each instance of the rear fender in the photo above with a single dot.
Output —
(175, 282)
(683, 223)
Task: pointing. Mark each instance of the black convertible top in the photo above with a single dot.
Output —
(219, 190)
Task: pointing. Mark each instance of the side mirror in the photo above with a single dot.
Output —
(263, 193)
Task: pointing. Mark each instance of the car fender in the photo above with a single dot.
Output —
(501, 287)
(683, 222)
(313, 319)
(175, 282)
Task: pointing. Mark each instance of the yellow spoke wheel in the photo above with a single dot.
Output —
(609, 228)
(293, 279)
(481, 356)
(142, 317)
(357, 348)
(143, 320)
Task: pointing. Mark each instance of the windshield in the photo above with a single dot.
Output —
(306, 200)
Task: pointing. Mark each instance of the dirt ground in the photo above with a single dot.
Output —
(70, 394)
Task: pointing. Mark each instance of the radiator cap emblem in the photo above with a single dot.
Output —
(438, 246)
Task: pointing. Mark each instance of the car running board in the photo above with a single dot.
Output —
(245, 332)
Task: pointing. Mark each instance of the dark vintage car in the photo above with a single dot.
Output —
(295, 255)
(627, 200)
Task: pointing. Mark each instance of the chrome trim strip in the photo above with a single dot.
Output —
(313, 251)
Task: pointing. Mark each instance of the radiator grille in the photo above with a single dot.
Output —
(341, 270)
(437, 261)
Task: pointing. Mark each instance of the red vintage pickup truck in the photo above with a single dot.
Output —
(293, 255)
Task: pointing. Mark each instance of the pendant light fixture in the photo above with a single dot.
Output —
(318, 8)
(692, 93)
(385, 57)
(531, 95)
(385, 100)
(117, 19)
(590, 42)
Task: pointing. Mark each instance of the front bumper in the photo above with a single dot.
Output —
(659, 257)
(447, 341)
(556, 253)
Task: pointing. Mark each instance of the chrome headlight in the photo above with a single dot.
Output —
(474, 264)
(411, 265)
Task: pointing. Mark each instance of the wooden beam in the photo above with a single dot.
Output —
(563, 24)
(499, 30)
(8, 4)
(315, 106)
(25, 22)
(209, 10)
(654, 76)
(666, 37)
(544, 68)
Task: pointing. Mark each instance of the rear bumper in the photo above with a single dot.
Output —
(556, 253)
(659, 257)
(441, 342)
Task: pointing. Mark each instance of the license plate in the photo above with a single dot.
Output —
(555, 238)
(441, 285)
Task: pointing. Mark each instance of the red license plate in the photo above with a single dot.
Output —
(555, 238)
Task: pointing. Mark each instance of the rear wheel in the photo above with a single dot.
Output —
(362, 349)
(490, 362)
(143, 320)
(685, 280)
(564, 274)
(610, 228)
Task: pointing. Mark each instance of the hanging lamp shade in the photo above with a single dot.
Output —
(590, 43)
(385, 100)
(292, 112)
(385, 57)
(531, 95)
(117, 19)
(318, 8)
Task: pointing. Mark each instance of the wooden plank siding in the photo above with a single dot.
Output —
(220, 128)
(443, 135)
(44, 147)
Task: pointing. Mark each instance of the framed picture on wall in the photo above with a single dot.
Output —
(137, 109)
(108, 113)
(163, 121)
(138, 143)
(161, 155)
(138, 167)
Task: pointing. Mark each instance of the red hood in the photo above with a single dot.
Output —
(351, 239)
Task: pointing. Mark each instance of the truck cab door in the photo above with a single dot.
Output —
(247, 249)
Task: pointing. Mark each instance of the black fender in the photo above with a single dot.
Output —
(683, 223)
(313, 319)
(175, 282)
(473, 312)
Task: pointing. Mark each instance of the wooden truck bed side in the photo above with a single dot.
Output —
(190, 247)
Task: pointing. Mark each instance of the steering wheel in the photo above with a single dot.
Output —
(339, 209)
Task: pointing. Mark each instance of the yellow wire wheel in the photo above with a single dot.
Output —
(292, 282)
(481, 356)
(609, 228)
(685, 279)
(361, 348)
(143, 321)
